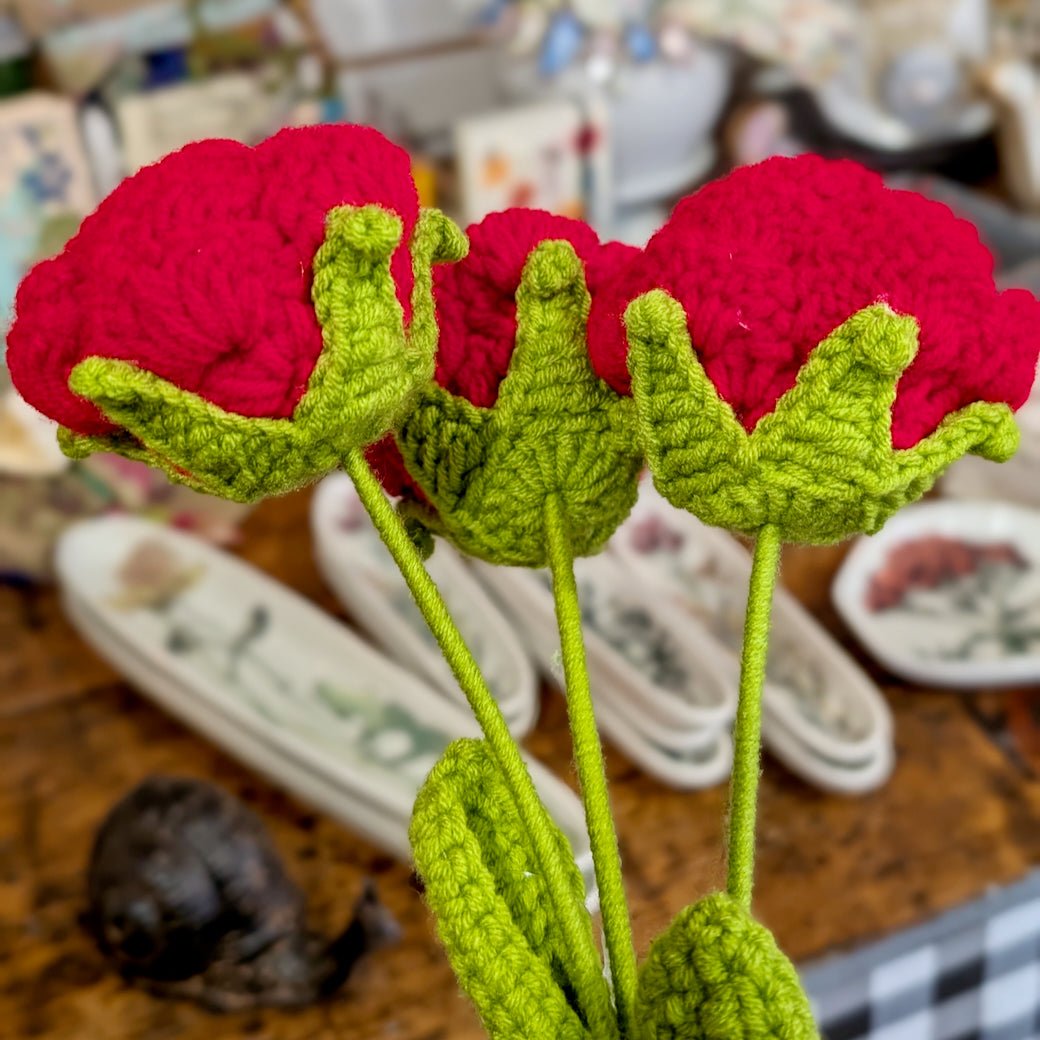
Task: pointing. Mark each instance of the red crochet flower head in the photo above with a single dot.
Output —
(198, 270)
(476, 308)
(770, 260)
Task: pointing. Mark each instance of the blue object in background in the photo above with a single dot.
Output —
(333, 110)
(562, 43)
(491, 14)
(166, 67)
(640, 42)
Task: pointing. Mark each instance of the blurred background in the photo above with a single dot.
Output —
(901, 821)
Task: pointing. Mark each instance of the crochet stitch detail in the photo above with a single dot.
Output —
(716, 974)
(770, 259)
(491, 904)
(198, 268)
(820, 466)
(476, 310)
(555, 429)
(365, 378)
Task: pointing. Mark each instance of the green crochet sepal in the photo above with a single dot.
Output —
(555, 430)
(491, 904)
(366, 377)
(821, 465)
(716, 974)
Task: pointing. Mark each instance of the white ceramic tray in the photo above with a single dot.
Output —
(823, 717)
(372, 822)
(948, 594)
(360, 570)
(658, 693)
(270, 677)
(814, 688)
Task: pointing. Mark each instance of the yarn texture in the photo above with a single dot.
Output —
(592, 774)
(476, 310)
(366, 375)
(199, 269)
(524, 811)
(716, 974)
(767, 262)
(820, 466)
(555, 429)
(493, 915)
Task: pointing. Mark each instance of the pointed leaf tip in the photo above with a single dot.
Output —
(650, 318)
(1002, 433)
(448, 242)
(371, 232)
(551, 268)
(881, 339)
(105, 382)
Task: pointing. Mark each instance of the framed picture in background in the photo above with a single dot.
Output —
(45, 185)
(548, 156)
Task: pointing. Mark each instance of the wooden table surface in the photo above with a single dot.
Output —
(960, 814)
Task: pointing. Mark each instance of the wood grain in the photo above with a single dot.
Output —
(959, 815)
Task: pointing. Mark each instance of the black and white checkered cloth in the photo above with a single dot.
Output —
(972, 974)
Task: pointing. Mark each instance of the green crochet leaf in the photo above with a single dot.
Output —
(366, 376)
(821, 465)
(716, 974)
(491, 903)
(555, 430)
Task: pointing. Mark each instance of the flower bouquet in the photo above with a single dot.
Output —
(795, 355)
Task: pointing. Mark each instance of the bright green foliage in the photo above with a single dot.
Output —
(492, 905)
(364, 381)
(556, 430)
(821, 466)
(716, 974)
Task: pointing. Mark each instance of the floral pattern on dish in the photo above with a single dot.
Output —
(965, 600)
(237, 653)
(715, 595)
(631, 630)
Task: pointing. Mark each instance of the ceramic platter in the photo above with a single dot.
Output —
(269, 677)
(360, 570)
(822, 716)
(659, 693)
(948, 594)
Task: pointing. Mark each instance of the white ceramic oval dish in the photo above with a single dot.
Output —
(948, 594)
(372, 822)
(658, 693)
(266, 674)
(364, 577)
(814, 690)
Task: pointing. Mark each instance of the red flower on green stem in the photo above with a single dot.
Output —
(206, 293)
(475, 301)
(810, 349)
(770, 260)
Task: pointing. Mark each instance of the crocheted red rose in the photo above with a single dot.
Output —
(476, 309)
(198, 270)
(770, 260)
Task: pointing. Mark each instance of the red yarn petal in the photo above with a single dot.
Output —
(41, 352)
(771, 259)
(198, 269)
(476, 298)
(340, 166)
(476, 308)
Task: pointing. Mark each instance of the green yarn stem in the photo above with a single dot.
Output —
(587, 971)
(592, 775)
(747, 732)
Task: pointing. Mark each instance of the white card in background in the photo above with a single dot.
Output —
(45, 186)
(530, 156)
